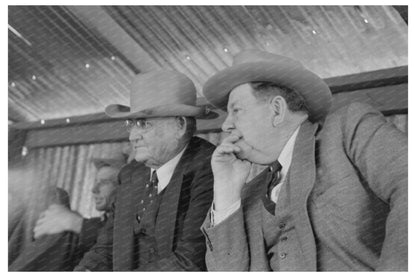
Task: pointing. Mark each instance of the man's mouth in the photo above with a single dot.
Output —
(98, 200)
(245, 148)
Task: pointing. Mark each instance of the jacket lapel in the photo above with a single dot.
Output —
(128, 201)
(302, 178)
(167, 215)
(252, 207)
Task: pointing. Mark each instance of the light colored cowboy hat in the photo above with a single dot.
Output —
(258, 66)
(161, 93)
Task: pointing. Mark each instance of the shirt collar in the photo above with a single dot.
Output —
(285, 157)
(165, 172)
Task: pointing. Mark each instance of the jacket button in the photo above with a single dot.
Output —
(283, 256)
(282, 225)
(283, 239)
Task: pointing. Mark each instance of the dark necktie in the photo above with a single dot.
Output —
(274, 169)
(152, 192)
(273, 179)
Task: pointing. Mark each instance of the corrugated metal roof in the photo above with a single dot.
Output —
(66, 61)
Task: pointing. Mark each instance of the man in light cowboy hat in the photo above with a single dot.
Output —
(334, 195)
(166, 192)
(63, 236)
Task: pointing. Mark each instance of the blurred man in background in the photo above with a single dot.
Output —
(62, 236)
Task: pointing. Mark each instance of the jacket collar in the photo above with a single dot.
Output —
(166, 221)
(302, 174)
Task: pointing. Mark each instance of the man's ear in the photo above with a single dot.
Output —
(278, 108)
(182, 125)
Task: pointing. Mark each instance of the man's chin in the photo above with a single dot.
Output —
(141, 158)
(100, 207)
(256, 157)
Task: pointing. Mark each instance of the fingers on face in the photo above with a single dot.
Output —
(227, 149)
(246, 163)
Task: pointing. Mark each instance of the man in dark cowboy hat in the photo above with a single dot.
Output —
(165, 193)
(334, 195)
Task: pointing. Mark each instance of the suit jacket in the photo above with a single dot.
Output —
(58, 252)
(185, 202)
(348, 192)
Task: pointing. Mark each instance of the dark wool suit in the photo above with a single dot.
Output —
(343, 206)
(179, 243)
(59, 252)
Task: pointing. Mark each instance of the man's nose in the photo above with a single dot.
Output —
(228, 124)
(95, 189)
(135, 134)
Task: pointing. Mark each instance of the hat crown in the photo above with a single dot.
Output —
(254, 56)
(259, 66)
(160, 88)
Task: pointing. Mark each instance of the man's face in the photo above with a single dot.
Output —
(104, 188)
(252, 121)
(155, 142)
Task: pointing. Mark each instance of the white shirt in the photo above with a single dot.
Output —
(165, 172)
(285, 159)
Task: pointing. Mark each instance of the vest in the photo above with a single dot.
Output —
(144, 231)
(280, 238)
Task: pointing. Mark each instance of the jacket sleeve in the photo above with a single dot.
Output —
(227, 243)
(88, 236)
(189, 253)
(380, 152)
(49, 253)
(99, 257)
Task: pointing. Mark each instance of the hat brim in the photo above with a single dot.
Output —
(121, 111)
(316, 92)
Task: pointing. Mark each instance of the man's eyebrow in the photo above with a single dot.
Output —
(232, 104)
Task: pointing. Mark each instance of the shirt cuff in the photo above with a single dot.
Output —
(219, 216)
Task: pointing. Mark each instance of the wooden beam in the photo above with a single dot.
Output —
(98, 132)
(387, 98)
(77, 134)
(62, 122)
(366, 80)
(395, 112)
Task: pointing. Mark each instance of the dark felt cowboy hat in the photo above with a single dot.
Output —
(161, 93)
(258, 66)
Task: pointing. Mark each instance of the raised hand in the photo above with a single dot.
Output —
(57, 219)
(230, 171)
